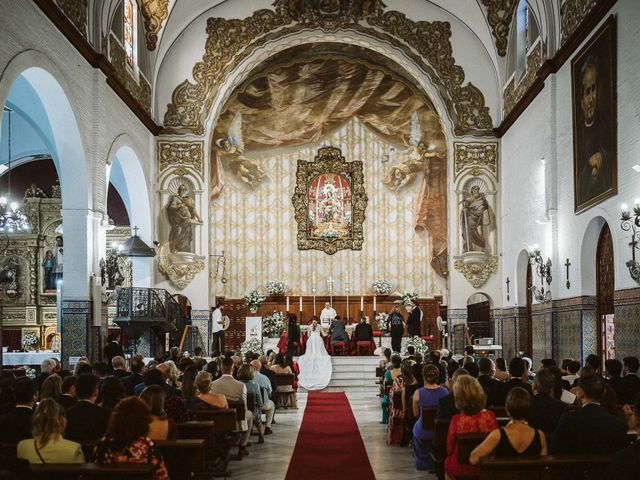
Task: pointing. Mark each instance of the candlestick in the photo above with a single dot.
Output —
(347, 276)
(361, 303)
(287, 304)
(300, 302)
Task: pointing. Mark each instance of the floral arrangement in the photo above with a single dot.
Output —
(381, 287)
(273, 325)
(29, 339)
(30, 373)
(419, 344)
(275, 287)
(253, 345)
(253, 300)
(383, 321)
(407, 299)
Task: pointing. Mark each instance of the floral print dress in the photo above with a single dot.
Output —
(141, 450)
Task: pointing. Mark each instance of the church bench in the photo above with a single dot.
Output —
(184, 459)
(205, 430)
(466, 442)
(283, 380)
(429, 418)
(549, 467)
(91, 471)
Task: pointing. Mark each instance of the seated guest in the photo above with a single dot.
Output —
(486, 378)
(337, 332)
(595, 362)
(268, 407)
(203, 392)
(517, 438)
(173, 404)
(235, 391)
(246, 374)
(86, 421)
(111, 392)
(101, 370)
(129, 382)
(447, 404)
(68, 398)
(473, 418)
(547, 363)
(625, 464)
(7, 400)
(46, 368)
(119, 369)
(559, 391)
(189, 384)
(546, 410)
(293, 365)
(472, 367)
(280, 367)
(51, 387)
(517, 369)
(388, 380)
(410, 386)
(16, 424)
(411, 351)
(82, 367)
(427, 396)
(469, 352)
(363, 332)
(127, 438)
(589, 429)
(395, 430)
(418, 363)
(48, 444)
(573, 367)
(631, 380)
(267, 372)
(386, 361)
(613, 375)
(161, 426)
(501, 370)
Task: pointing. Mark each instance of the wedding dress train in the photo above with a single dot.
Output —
(315, 364)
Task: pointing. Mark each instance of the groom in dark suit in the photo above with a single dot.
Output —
(337, 331)
(413, 322)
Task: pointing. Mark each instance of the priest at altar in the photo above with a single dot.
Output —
(327, 315)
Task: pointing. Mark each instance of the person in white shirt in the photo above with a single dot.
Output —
(217, 324)
(327, 315)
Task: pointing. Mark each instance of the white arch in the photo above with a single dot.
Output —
(521, 278)
(588, 251)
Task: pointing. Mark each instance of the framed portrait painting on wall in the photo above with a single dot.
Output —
(593, 81)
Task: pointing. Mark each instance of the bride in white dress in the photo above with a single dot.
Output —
(315, 364)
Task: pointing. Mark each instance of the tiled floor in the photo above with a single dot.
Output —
(272, 457)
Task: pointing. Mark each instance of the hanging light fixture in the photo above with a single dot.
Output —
(12, 220)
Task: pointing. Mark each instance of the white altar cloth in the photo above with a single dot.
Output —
(27, 358)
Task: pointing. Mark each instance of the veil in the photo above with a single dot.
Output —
(315, 364)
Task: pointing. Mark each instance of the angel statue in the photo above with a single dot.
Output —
(243, 168)
(418, 153)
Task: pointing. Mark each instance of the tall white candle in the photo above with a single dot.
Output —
(374, 303)
(361, 303)
(347, 276)
(287, 304)
(301, 303)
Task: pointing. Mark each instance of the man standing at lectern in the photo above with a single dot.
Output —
(414, 320)
(217, 324)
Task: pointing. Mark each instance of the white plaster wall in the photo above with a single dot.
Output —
(545, 129)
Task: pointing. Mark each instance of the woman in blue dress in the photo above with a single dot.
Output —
(427, 396)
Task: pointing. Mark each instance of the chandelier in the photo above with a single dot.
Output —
(12, 220)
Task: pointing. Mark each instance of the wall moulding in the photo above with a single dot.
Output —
(572, 13)
(76, 12)
(514, 91)
(231, 41)
(172, 153)
(475, 155)
(499, 15)
(154, 12)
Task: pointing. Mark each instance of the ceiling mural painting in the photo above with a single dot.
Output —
(230, 41)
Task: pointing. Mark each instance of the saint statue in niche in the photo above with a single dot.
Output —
(329, 214)
(477, 219)
(182, 215)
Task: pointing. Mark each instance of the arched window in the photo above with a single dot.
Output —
(130, 31)
(525, 33)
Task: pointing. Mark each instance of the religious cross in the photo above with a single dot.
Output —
(135, 231)
(508, 282)
(568, 264)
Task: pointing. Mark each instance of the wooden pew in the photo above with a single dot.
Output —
(429, 418)
(184, 459)
(91, 471)
(283, 380)
(195, 430)
(466, 442)
(550, 467)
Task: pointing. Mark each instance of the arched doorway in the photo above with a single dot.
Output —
(605, 280)
(525, 343)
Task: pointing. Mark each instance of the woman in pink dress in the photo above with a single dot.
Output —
(470, 399)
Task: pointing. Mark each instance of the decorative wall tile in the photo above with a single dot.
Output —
(75, 329)
(200, 319)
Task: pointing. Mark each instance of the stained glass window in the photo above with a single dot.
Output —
(130, 31)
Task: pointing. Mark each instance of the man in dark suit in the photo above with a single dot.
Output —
(517, 368)
(86, 421)
(613, 373)
(68, 398)
(625, 464)
(632, 382)
(119, 369)
(413, 322)
(16, 425)
(447, 404)
(113, 347)
(338, 332)
(137, 368)
(589, 429)
(364, 332)
(545, 410)
(486, 378)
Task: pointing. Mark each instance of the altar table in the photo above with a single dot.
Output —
(27, 358)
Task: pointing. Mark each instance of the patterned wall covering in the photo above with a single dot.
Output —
(257, 231)
(75, 329)
(542, 332)
(200, 319)
(507, 331)
(566, 334)
(627, 314)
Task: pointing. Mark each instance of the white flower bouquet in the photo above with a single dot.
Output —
(253, 345)
(382, 319)
(419, 344)
(275, 287)
(381, 287)
(407, 299)
(273, 325)
(253, 300)
(29, 340)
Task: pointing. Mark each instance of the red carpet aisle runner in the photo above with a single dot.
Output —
(329, 444)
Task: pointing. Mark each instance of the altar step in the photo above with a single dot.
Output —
(353, 374)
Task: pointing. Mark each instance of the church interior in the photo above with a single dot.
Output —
(448, 184)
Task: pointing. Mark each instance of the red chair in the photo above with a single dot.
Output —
(378, 334)
(366, 345)
(428, 339)
(338, 348)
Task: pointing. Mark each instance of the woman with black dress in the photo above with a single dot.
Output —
(396, 323)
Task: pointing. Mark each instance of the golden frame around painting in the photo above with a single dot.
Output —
(330, 202)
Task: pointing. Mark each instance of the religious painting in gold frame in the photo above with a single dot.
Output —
(330, 202)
